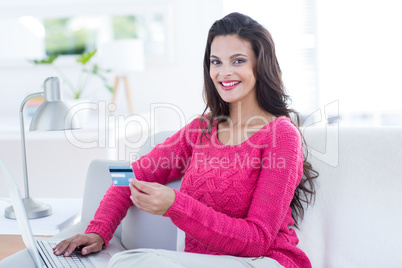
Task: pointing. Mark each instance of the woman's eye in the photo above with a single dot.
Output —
(215, 62)
(239, 61)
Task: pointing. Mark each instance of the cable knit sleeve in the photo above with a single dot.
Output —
(254, 234)
(167, 161)
(112, 209)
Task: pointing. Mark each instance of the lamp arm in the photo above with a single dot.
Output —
(22, 130)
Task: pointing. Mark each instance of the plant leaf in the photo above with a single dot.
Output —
(77, 94)
(110, 88)
(104, 79)
(95, 69)
(47, 60)
(85, 57)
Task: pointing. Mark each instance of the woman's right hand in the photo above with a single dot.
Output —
(92, 243)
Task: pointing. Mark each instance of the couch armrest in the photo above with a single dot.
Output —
(143, 230)
(97, 182)
(138, 229)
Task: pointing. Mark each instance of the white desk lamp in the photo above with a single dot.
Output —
(52, 115)
(123, 57)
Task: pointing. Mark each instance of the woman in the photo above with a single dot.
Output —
(244, 173)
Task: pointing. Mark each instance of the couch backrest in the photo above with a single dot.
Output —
(356, 219)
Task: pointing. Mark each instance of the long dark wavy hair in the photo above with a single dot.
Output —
(270, 91)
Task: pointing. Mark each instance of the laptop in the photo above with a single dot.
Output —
(41, 249)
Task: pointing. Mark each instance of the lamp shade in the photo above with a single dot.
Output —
(122, 56)
(53, 114)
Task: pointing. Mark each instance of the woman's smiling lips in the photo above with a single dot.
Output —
(228, 85)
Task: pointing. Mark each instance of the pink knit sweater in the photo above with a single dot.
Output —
(234, 200)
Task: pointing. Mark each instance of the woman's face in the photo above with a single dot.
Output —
(232, 63)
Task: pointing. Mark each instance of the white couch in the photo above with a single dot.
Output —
(357, 217)
(355, 221)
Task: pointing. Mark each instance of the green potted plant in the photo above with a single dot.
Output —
(88, 71)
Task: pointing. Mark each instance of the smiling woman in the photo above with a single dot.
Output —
(238, 197)
(232, 63)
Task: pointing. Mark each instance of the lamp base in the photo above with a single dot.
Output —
(34, 209)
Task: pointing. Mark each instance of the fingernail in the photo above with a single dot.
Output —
(84, 251)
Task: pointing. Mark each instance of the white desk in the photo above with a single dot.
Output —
(65, 213)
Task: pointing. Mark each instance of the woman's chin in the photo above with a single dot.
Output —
(227, 97)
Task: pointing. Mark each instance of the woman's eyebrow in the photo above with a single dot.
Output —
(237, 55)
(231, 57)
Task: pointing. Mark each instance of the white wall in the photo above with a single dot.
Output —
(177, 82)
(360, 54)
(56, 168)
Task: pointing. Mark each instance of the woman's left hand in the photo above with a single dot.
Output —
(151, 197)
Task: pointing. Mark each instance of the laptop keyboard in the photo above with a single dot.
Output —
(74, 260)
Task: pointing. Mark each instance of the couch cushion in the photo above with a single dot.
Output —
(356, 219)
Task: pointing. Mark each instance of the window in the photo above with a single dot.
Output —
(293, 29)
(70, 34)
(75, 35)
(343, 52)
(66, 36)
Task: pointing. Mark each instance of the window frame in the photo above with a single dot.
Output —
(122, 8)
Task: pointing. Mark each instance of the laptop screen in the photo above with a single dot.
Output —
(22, 218)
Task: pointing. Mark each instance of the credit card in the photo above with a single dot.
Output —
(121, 175)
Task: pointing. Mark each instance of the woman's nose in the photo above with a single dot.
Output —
(225, 72)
